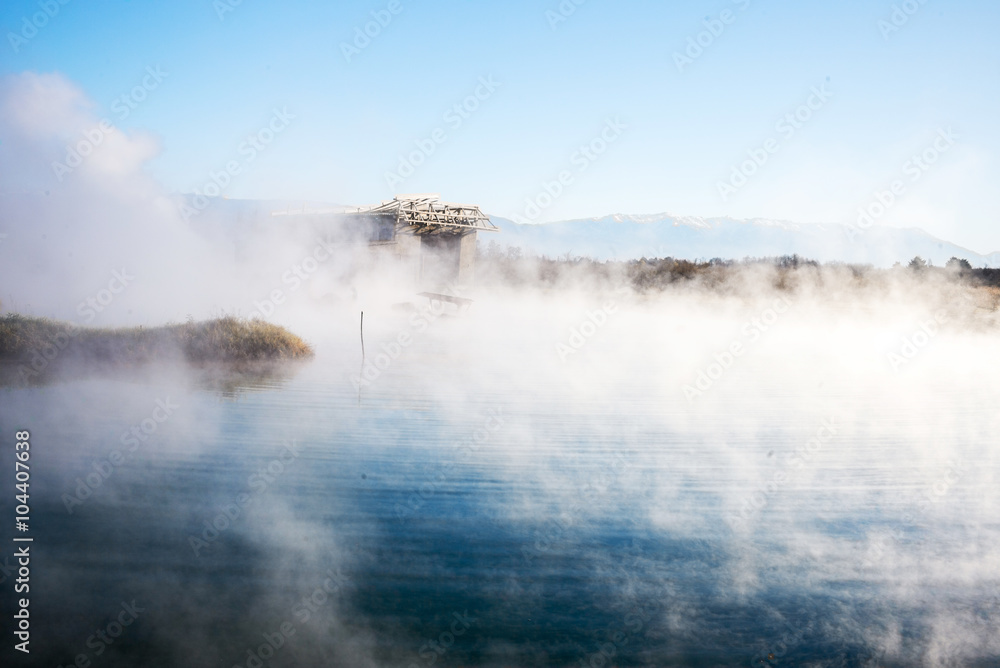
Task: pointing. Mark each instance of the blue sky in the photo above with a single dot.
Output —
(556, 86)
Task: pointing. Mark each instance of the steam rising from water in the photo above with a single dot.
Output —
(699, 476)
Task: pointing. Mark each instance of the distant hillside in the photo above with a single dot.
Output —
(624, 237)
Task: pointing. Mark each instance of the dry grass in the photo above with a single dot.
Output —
(988, 297)
(236, 340)
(223, 340)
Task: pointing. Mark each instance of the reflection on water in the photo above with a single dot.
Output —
(293, 525)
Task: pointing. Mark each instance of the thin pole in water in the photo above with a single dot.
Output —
(362, 373)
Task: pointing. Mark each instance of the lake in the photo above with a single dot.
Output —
(486, 501)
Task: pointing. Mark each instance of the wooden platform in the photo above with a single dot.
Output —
(461, 302)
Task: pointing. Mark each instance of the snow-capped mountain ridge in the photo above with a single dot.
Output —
(631, 236)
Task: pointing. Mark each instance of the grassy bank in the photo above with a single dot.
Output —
(40, 345)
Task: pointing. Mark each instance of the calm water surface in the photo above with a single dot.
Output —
(294, 523)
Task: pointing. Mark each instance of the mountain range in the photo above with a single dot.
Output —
(624, 237)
